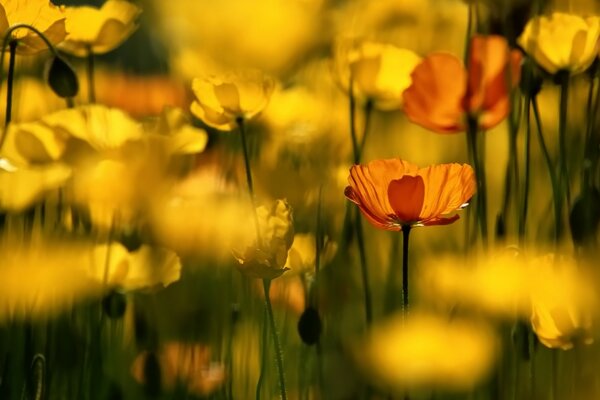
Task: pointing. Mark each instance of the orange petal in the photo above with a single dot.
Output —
(434, 100)
(406, 197)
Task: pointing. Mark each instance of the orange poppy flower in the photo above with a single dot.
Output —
(394, 193)
(444, 92)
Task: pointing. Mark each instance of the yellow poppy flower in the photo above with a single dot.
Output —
(562, 41)
(20, 187)
(379, 72)
(302, 254)
(146, 268)
(41, 14)
(267, 259)
(40, 278)
(221, 101)
(425, 350)
(99, 30)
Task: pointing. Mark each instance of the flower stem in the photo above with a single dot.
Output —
(90, 75)
(562, 139)
(352, 109)
(11, 76)
(363, 267)
(525, 201)
(263, 353)
(472, 131)
(278, 353)
(405, 237)
(590, 149)
(242, 127)
(551, 172)
(367, 112)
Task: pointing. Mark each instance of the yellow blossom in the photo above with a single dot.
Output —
(425, 350)
(41, 14)
(99, 30)
(266, 256)
(146, 268)
(222, 100)
(379, 72)
(302, 254)
(562, 41)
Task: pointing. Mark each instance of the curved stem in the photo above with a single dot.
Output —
(562, 137)
(525, 201)
(11, 77)
(551, 171)
(278, 353)
(242, 127)
(90, 75)
(405, 236)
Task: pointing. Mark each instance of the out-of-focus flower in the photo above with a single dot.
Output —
(52, 137)
(140, 95)
(563, 305)
(266, 256)
(443, 93)
(426, 350)
(184, 363)
(41, 14)
(99, 30)
(302, 254)
(554, 293)
(178, 136)
(40, 278)
(287, 292)
(281, 34)
(392, 193)
(146, 268)
(20, 187)
(221, 101)
(379, 73)
(562, 41)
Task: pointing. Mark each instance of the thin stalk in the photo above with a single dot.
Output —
(242, 128)
(278, 353)
(480, 177)
(352, 109)
(551, 172)
(405, 237)
(392, 275)
(90, 76)
(589, 149)
(562, 137)
(263, 353)
(363, 267)
(11, 77)
(525, 201)
(511, 177)
(368, 111)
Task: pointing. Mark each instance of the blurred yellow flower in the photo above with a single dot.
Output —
(99, 30)
(146, 268)
(562, 41)
(267, 258)
(40, 278)
(174, 130)
(563, 304)
(20, 187)
(302, 254)
(184, 363)
(379, 72)
(67, 133)
(426, 350)
(41, 14)
(221, 101)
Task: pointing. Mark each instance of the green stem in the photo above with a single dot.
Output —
(273, 328)
(352, 106)
(472, 131)
(511, 177)
(551, 172)
(11, 76)
(90, 75)
(368, 113)
(405, 237)
(363, 267)
(242, 128)
(263, 353)
(562, 137)
(392, 275)
(590, 148)
(525, 202)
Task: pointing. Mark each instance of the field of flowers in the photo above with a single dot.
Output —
(300, 199)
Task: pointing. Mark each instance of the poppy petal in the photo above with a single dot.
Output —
(406, 197)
